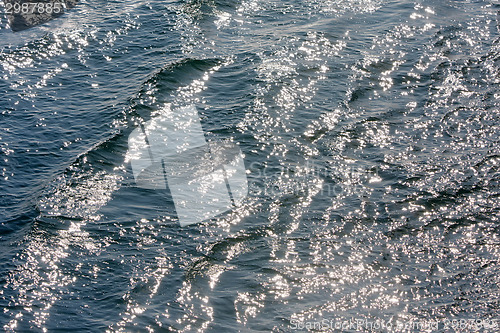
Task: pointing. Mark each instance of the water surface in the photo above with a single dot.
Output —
(370, 130)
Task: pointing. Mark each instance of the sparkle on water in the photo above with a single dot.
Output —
(370, 130)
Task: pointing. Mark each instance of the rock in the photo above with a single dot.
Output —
(24, 14)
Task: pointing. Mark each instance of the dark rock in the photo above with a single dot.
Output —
(24, 14)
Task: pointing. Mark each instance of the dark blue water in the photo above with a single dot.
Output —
(370, 131)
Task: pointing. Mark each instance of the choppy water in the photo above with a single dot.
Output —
(370, 130)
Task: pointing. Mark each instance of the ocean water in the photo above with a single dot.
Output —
(370, 131)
